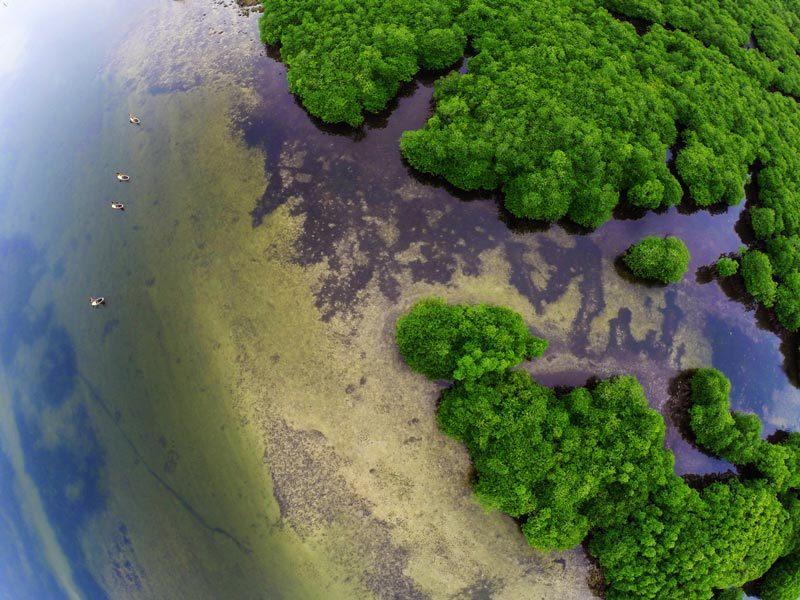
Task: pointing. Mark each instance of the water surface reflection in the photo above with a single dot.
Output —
(371, 218)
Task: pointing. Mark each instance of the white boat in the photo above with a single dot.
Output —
(118, 206)
(134, 119)
(123, 176)
(94, 302)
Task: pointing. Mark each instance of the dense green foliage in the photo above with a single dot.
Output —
(757, 273)
(686, 543)
(465, 341)
(727, 267)
(763, 222)
(592, 463)
(567, 109)
(658, 259)
(347, 56)
(783, 580)
(787, 302)
(566, 465)
(736, 437)
(555, 111)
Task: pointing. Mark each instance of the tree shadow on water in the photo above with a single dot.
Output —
(705, 274)
(678, 404)
(766, 320)
(437, 182)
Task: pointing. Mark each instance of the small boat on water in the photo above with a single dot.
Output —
(95, 301)
(134, 119)
(123, 176)
(117, 206)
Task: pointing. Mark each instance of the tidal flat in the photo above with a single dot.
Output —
(237, 421)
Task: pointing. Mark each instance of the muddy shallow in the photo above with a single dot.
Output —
(236, 422)
(376, 224)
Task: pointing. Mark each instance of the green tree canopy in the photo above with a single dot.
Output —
(782, 582)
(687, 543)
(736, 437)
(757, 273)
(567, 109)
(463, 342)
(658, 259)
(564, 465)
(348, 56)
(592, 464)
(727, 267)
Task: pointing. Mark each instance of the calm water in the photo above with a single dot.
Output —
(124, 465)
(144, 446)
(746, 344)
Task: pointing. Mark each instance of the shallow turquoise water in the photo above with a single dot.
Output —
(109, 487)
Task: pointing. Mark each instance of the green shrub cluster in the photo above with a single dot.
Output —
(556, 111)
(787, 302)
(658, 259)
(567, 109)
(465, 341)
(348, 56)
(592, 464)
(757, 274)
(736, 437)
(726, 267)
(687, 542)
(783, 580)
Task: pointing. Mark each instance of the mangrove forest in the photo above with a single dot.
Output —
(590, 466)
(569, 107)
